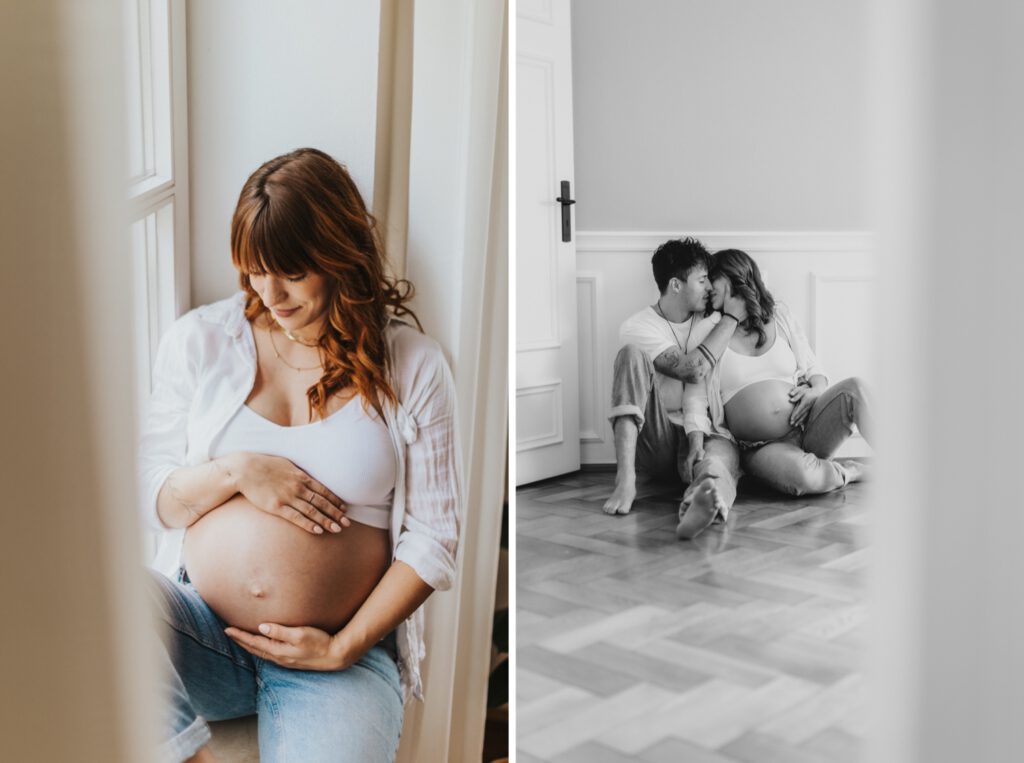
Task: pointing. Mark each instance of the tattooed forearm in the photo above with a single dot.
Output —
(689, 367)
(177, 495)
(190, 492)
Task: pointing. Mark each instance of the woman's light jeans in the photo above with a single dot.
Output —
(800, 463)
(304, 716)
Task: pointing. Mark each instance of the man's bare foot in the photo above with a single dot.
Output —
(856, 471)
(621, 501)
(705, 503)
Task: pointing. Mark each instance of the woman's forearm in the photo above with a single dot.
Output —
(398, 594)
(191, 491)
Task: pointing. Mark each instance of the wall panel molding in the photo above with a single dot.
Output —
(536, 10)
(821, 286)
(545, 426)
(592, 397)
(646, 242)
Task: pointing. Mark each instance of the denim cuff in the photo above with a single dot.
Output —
(627, 410)
(186, 743)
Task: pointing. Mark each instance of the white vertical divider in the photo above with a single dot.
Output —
(457, 256)
(947, 669)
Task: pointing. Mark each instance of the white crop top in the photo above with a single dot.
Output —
(737, 371)
(350, 452)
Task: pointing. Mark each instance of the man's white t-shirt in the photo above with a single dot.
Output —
(654, 334)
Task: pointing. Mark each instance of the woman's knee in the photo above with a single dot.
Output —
(854, 387)
(357, 713)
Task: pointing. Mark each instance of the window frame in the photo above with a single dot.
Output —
(158, 197)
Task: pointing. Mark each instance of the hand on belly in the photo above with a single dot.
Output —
(252, 567)
(760, 411)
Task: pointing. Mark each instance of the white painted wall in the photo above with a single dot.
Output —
(725, 115)
(457, 255)
(265, 78)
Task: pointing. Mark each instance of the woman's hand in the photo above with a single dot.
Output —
(277, 486)
(301, 648)
(733, 304)
(802, 397)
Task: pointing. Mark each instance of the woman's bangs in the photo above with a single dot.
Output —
(267, 248)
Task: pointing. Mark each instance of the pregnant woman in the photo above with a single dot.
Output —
(770, 394)
(300, 454)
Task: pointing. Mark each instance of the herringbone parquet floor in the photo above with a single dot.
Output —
(744, 645)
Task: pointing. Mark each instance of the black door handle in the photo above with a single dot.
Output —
(566, 202)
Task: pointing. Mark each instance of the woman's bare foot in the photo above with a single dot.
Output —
(856, 471)
(705, 503)
(621, 500)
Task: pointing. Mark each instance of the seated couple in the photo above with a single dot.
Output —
(717, 377)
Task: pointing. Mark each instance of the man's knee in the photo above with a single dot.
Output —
(632, 386)
(632, 357)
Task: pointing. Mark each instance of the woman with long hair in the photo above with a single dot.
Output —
(769, 393)
(300, 455)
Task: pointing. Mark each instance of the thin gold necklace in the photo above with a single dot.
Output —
(297, 339)
(273, 344)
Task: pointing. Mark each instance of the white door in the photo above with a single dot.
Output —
(547, 396)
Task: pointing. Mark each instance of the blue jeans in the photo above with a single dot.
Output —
(304, 716)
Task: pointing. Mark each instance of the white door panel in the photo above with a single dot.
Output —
(547, 397)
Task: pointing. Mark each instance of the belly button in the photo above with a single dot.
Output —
(257, 591)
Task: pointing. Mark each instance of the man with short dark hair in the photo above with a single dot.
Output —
(665, 346)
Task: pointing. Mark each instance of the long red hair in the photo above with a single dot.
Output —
(302, 213)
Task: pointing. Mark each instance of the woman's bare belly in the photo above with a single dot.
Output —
(760, 411)
(252, 567)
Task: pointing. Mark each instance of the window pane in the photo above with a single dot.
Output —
(148, 93)
(152, 240)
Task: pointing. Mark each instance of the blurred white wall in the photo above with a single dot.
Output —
(75, 636)
(947, 671)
